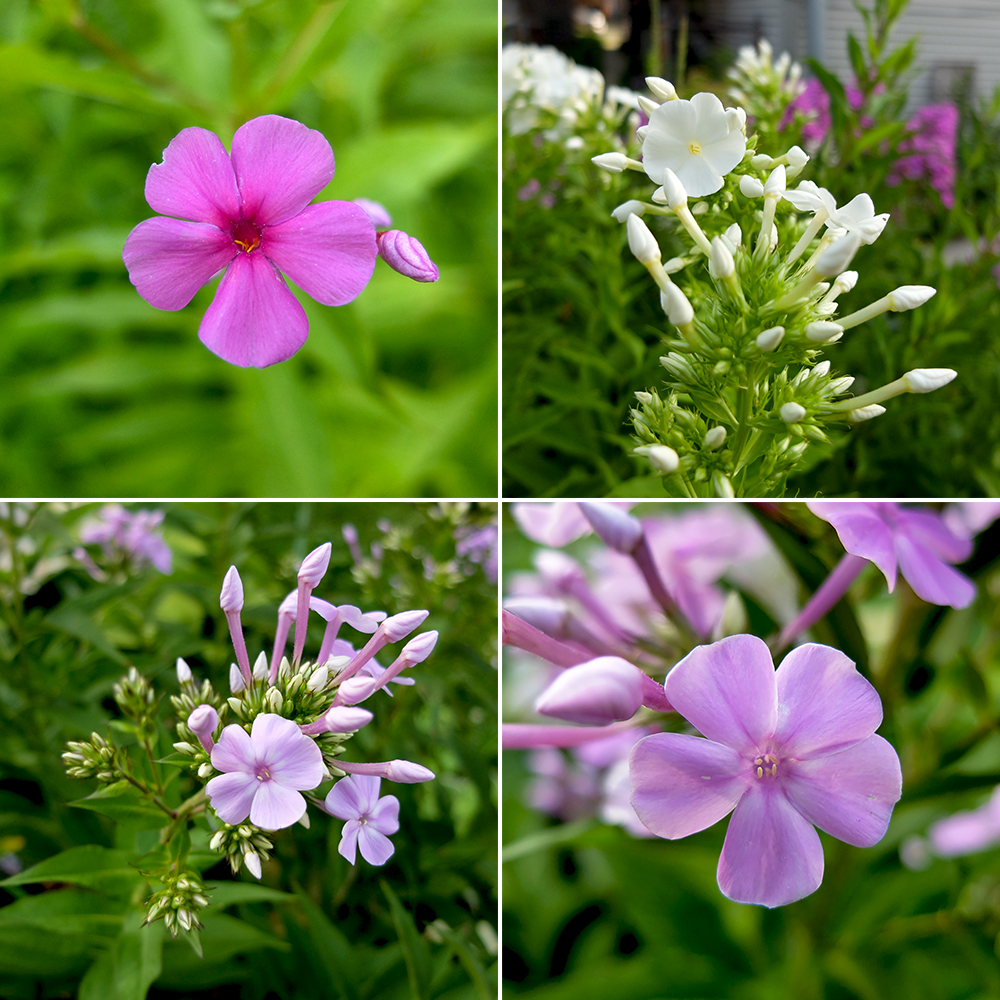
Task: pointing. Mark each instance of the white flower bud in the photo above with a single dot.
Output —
(673, 191)
(839, 385)
(216, 842)
(274, 699)
(797, 157)
(736, 118)
(236, 682)
(910, 297)
(822, 369)
(928, 379)
(845, 282)
(663, 89)
(678, 364)
(792, 413)
(318, 680)
(647, 106)
(775, 184)
(823, 330)
(640, 132)
(865, 413)
(770, 338)
(835, 258)
(722, 486)
(183, 671)
(631, 207)
(676, 305)
(613, 163)
(644, 397)
(662, 458)
(734, 234)
(721, 260)
(206, 770)
(715, 437)
(750, 187)
(641, 241)
(761, 161)
(260, 667)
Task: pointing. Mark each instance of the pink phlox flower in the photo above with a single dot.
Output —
(248, 213)
(121, 532)
(966, 518)
(787, 749)
(930, 150)
(264, 772)
(917, 543)
(370, 819)
(968, 831)
(480, 546)
(555, 524)
(376, 212)
(814, 105)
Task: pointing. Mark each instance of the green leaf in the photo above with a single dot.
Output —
(470, 962)
(550, 837)
(857, 57)
(36, 951)
(331, 948)
(130, 966)
(80, 626)
(128, 807)
(415, 951)
(640, 486)
(89, 865)
(67, 911)
(229, 893)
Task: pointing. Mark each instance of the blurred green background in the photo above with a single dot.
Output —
(421, 927)
(393, 395)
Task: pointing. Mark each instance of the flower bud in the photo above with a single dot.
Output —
(315, 565)
(792, 413)
(236, 682)
(715, 437)
(231, 598)
(676, 305)
(663, 89)
(399, 626)
(408, 773)
(596, 693)
(614, 163)
(750, 187)
(274, 700)
(376, 212)
(736, 119)
(837, 255)
(839, 385)
(641, 241)
(345, 719)
(722, 486)
(662, 458)
(419, 648)
(928, 379)
(797, 157)
(775, 184)
(910, 297)
(865, 413)
(184, 675)
(734, 234)
(406, 255)
(845, 282)
(769, 339)
(356, 689)
(822, 331)
(647, 107)
(203, 721)
(260, 667)
(673, 190)
(761, 161)
(631, 207)
(616, 528)
(319, 678)
(252, 860)
(206, 770)
(721, 260)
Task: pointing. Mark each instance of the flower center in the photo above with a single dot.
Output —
(246, 235)
(263, 774)
(695, 148)
(766, 765)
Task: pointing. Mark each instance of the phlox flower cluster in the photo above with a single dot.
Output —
(125, 537)
(763, 85)
(752, 303)
(929, 153)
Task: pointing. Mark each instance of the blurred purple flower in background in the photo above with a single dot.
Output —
(930, 151)
(125, 534)
(787, 749)
(480, 545)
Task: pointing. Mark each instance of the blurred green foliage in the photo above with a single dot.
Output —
(422, 927)
(591, 913)
(393, 395)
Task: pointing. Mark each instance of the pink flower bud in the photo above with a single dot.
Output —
(202, 722)
(407, 773)
(419, 648)
(183, 671)
(356, 689)
(400, 626)
(618, 530)
(596, 693)
(231, 598)
(376, 212)
(315, 565)
(546, 614)
(236, 682)
(405, 254)
(346, 719)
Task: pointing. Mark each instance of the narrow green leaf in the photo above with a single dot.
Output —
(90, 865)
(129, 807)
(415, 951)
(331, 948)
(550, 837)
(473, 967)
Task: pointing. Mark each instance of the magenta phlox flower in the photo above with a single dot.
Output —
(370, 819)
(930, 150)
(264, 772)
(248, 212)
(556, 524)
(787, 749)
(917, 543)
(130, 533)
(968, 831)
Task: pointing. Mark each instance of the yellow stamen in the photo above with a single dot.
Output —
(695, 148)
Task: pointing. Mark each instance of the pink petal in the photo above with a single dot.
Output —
(275, 806)
(772, 856)
(280, 166)
(384, 817)
(931, 579)
(554, 524)
(862, 532)
(348, 845)
(353, 796)
(931, 531)
(824, 704)
(727, 691)
(328, 250)
(234, 751)
(376, 848)
(254, 321)
(293, 758)
(232, 795)
(195, 180)
(683, 784)
(850, 794)
(169, 260)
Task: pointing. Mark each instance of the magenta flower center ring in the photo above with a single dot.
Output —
(246, 235)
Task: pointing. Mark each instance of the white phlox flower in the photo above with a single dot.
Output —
(694, 139)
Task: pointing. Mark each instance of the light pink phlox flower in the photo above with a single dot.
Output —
(264, 772)
(249, 214)
(968, 831)
(376, 212)
(787, 749)
(370, 819)
(966, 518)
(555, 524)
(131, 533)
(372, 669)
(916, 542)
(482, 547)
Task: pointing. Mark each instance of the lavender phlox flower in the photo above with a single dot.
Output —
(249, 214)
(555, 524)
(231, 602)
(966, 518)
(482, 547)
(264, 772)
(376, 212)
(129, 534)
(370, 819)
(203, 722)
(917, 543)
(407, 255)
(787, 749)
(968, 831)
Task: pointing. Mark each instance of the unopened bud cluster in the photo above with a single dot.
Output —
(242, 844)
(178, 902)
(96, 758)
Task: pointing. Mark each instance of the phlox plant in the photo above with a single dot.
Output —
(822, 674)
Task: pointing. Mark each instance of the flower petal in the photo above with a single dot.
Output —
(376, 848)
(169, 260)
(862, 532)
(683, 784)
(195, 180)
(712, 123)
(727, 691)
(328, 250)
(293, 758)
(348, 845)
(384, 816)
(254, 320)
(353, 796)
(931, 531)
(280, 166)
(931, 579)
(234, 751)
(698, 176)
(772, 856)
(824, 704)
(232, 795)
(850, 794)
(275, 806)
(725, 153)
